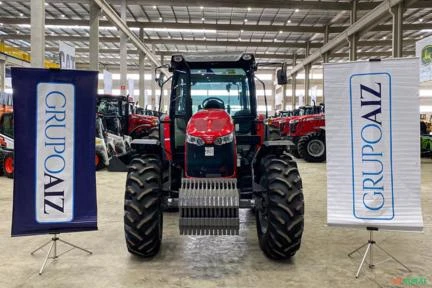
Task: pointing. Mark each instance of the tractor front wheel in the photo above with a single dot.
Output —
(143, 215)
(8, 164)
(312, 147)
(280, 213)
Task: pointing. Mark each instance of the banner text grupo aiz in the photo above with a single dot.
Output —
(54, 183)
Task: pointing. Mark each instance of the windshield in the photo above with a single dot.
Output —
(227, 84)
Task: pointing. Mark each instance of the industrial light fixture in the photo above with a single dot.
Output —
(160, 18)
(289, 21)
(63, 16)
(296, 10)
(245, 20)
(201, 7)
(154, 6)
(421, 19)
(21, 14)
(202, 19)
(180, 30)
(241, 30)
(249, 8)
(280, 31)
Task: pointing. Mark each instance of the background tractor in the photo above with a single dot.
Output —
(6, 141)
(210, 157)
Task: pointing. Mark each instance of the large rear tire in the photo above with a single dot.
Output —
(280, 217)
(8, 164)
(312, 147)
(143, 217)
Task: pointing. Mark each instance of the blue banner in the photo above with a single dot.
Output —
(54, 181)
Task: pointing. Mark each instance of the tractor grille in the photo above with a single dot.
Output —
(221, 164)
(209, 206)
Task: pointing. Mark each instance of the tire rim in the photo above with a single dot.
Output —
(97, 160)
(9, 165)
(316, 148)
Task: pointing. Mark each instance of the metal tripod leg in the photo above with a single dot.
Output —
(363, 260)
(394, 258)
(46, 258)
(37, 249)
(75, 246)
(354, 251)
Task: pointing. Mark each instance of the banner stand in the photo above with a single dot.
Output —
(53, 248)
(369, 250)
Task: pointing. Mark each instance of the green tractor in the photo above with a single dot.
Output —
(426, 145)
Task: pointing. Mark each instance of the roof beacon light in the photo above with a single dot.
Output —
(178, 58)
(247, 57)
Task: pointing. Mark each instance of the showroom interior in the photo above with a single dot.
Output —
(234, 144)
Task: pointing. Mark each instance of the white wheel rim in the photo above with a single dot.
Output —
(316, 148)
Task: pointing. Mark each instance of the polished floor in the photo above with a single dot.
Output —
(231, 261)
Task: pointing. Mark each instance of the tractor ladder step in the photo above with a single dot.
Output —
(209, 206)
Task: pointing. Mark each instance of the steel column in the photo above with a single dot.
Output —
(397, 31)
(141, 83)
(325, 56)
(307, 69)
(294, 85)
(2, 75)
(123, 52)
(37, 38)
(94, 37)
(353, 37)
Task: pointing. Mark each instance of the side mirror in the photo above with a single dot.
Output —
(160, 79)
(282, 77)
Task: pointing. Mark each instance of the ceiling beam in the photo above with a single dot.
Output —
(278, 4)
(218, 27)
(244, 43)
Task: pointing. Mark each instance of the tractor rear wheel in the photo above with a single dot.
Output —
(311, 147)
(279, 217)
(143, 215)
(8, 164)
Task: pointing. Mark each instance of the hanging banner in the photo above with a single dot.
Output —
(372, 138)
(108, 83)
(67, 56)
(54, 181)
(424, 52)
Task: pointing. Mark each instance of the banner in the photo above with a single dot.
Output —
(107, 77)
(424, 52)
(131, 89)
(67, 56)
(372, 138)
(54, 181)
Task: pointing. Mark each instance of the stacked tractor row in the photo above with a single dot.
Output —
(305, 127)
(209, 157)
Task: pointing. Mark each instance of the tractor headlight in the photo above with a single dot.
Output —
(194, 140)
(224, 139)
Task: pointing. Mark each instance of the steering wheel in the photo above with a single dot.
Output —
(213, 102)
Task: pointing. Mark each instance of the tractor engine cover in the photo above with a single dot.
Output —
(209, 206)
(210, 149)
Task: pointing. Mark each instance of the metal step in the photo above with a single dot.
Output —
(209, 206)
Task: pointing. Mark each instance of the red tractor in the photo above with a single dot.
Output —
(6, 141)
(210, 157)
(132, 124)
(308, 134)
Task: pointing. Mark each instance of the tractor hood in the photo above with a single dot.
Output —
(210, 124)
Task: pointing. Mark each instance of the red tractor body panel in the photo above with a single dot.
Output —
(167, 138)
(210, 125)
(302, 125)
(141, 124)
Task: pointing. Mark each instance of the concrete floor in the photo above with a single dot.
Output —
(234, 261)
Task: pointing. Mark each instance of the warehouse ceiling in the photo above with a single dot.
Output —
(275, 30)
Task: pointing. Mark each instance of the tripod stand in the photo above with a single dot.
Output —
(53, 247)
(369, 249)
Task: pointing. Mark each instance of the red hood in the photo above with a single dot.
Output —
(210, 124)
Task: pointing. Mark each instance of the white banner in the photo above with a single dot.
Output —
(131, 89)
(372, 135)
(424, 52)
(55, 152)
(108, 83)
(67, 56)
